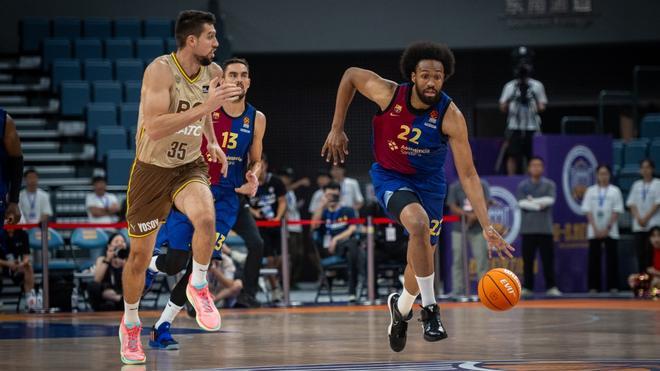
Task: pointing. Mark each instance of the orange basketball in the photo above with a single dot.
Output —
(499, 289)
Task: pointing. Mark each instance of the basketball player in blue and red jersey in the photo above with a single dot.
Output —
(415, 127)
(240, 129)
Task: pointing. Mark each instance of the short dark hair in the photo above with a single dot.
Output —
(29, 171)
(332, 185)
(654, 229)
(235, 60)
(98, 178)
(426, 50)
(535, 158)
(651, 163)
(323, 172)
(191, 22)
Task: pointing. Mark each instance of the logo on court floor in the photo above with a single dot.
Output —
(505, 211)
(578, 173)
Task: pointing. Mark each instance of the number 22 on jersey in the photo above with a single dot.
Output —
(405, 134)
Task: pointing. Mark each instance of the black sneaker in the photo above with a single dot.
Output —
(245, 300)
(433, 329)
(398, 324)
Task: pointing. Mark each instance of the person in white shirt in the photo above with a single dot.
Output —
(522, 99)
(602, 205)
(644, 204)
(322, 179)
(33, 201)
(102, 207)
(351, 195)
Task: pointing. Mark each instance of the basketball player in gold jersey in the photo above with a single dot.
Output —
(179, 91)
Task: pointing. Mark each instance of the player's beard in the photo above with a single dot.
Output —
(431, 101)
(204, 60)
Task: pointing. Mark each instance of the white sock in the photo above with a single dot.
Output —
(198, 276)
(405, 302)
(426, 289)
(169, 313)
(131, 317)
(152, 265)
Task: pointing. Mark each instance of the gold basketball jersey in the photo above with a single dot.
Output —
(183, 146)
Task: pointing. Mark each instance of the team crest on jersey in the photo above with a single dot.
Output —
(397, 108)
(246, 122)
(216, 115)
(433, 119)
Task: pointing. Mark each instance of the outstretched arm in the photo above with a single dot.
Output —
(367, 83)
(454, 126)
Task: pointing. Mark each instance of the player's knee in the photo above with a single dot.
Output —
(204, 222)
(418, 229)
(139, 258)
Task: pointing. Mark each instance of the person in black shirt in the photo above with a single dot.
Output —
(270, 204)
(105, 293)
(15, 259)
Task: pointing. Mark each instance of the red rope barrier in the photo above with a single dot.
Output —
(260, 223)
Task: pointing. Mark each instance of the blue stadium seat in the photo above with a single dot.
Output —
(158, 27)
(654, 153)
(93, 240)
(55, 49)
(170, 45)
(650, 126)
(148, 49)
(128, 28)
(63, 70)
(118, 166)
(98, 69)
(33, 32)
(128, 69)
(107, 92)
(88, 48)
(128, 115)
(100, 28)
(628, 175)
(634, 152)
(74, 98)
(617, 152)
(66, 27)
(100, 114)
(118, 49)
(132, 91)
(107, 138)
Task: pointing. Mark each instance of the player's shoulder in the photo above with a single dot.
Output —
(215, 69)
(159, 70)
(259, 115)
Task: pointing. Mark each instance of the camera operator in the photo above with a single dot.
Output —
(522, 99)
(105, 293)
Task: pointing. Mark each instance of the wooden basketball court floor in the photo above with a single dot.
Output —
(567, 334)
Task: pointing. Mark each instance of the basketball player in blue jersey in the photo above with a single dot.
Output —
(11, 170)
(416, 124)
(240, 129)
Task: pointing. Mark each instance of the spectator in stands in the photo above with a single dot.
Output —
(105, 293)
(460, 205)
(644, 283)
(322, 179)
(102, 207)
(336, 238)
(269, 204)
(222, 282)
(644, 203)
(351, 195)
(296, 244)
(33, 201)
(522, 99)
(15, 259)
(602, 204)
(536, 195)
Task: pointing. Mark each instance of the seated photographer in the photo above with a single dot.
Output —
(105, 293)
(336, 239)
(222, 284)
(15, 259)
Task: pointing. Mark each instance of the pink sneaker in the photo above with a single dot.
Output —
(207, 315)
(130, 344)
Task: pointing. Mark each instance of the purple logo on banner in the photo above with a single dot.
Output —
(578, 173)
(504, 210)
